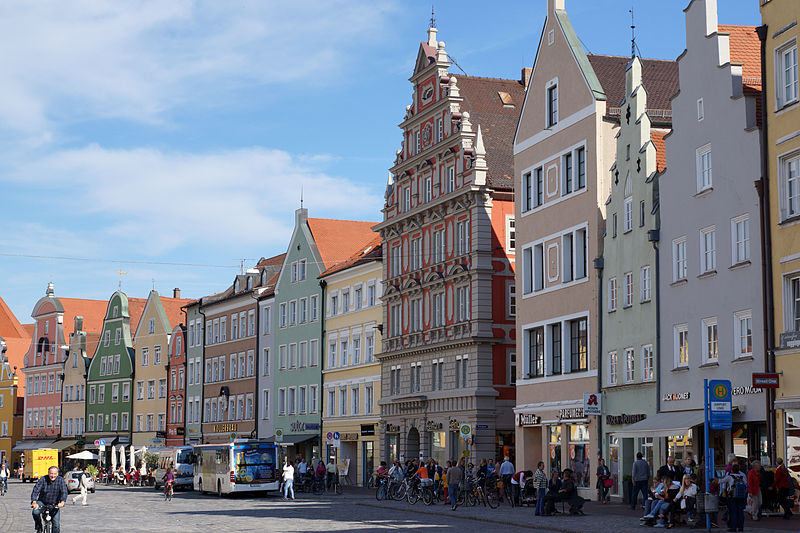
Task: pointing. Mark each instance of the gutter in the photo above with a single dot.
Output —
(599, 264)
(767, 300)
(322, 286)
(654, 237)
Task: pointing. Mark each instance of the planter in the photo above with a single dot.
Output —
(627, 491)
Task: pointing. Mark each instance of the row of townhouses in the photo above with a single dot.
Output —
(654, 205)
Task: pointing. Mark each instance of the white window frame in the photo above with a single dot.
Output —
(628, 292)
(551, 107)
(782, 99)
(612, 294)
(627, 218)
(700, 110)
(644, 284)
(679, 259)
(738, 318)
(789, 185)
(705, 176)
(710, 346)
(708, 249)
(612, 367)
(630, 365)
(677, 331)
(740, 249)
(648, 363)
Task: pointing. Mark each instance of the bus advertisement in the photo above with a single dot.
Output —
(238, 466)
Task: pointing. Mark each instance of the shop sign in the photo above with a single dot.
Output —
(741, 391)
(368, 430)
(675, 396)
(181, 430)
(766, 381)
(553, 451)
(528, 419)
(348, 436)
(430, 425)
(623, 419)
(591, 404)
(790, 339)
(299, 427)
(225, 428)
(571, 412)
(481, 426)
(455, 425)
(392, 428)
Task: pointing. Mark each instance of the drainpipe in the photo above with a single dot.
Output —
(257, 364)
(767, 302)
(653, 236)
(599, 264)
(202, 368)
(322, 286)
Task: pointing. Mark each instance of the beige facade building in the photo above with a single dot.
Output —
(73, 391)
(563, 150)
(351, 374)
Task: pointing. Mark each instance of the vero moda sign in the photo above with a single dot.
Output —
(719, 404)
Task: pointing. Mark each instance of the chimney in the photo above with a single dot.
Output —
(525, 77)
(176, 293)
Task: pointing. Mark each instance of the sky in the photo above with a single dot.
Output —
(171, 139)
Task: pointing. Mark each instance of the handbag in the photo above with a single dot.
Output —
(608, 483)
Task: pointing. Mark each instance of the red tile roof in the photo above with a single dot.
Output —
(337, 239)
(745, 49)
(659, 77)
(172, 308)
(498, 122)
(18, 340)
(369, 251)
(657, 136)
(92, 311)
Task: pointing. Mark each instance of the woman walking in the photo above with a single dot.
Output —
(604, 481)
(288, 479)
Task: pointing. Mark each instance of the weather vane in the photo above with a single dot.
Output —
(433, 17)
(121, 273)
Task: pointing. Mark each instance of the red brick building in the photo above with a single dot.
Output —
(176, 387)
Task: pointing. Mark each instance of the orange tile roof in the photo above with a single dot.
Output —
(746, 49)
(172, 307)
(657, 136)
(92, 311)
(369, 251)
(17, 338)
(337, 239)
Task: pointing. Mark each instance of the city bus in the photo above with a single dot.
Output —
(244, 465)
(179, 458)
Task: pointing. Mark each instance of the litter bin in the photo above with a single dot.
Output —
(711, 503)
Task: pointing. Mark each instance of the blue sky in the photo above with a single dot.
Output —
(181, 131)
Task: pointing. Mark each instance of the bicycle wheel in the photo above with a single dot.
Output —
(427, 496)
(493, 499)
(371, 482)
(470, 498)
(399, 491)
(378, 492)
(338, 487)
(412, 495)
(509, 496)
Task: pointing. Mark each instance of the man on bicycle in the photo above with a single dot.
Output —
(49, 490)
(5, 473)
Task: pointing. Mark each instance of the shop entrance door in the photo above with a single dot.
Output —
(367, 461)
(412, 444)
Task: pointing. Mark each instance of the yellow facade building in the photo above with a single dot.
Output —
(781, 33)
(10, 416)
(351, 375)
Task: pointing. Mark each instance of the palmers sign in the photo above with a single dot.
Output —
(623, 419)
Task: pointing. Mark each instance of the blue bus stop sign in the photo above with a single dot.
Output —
(719, 404)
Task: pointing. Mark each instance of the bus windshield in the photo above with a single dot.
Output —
(183, 455)
(255, 463)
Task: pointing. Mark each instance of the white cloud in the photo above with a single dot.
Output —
(81, 60)
(146, 201)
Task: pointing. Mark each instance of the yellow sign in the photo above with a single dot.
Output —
(465, 453)
(225, 428)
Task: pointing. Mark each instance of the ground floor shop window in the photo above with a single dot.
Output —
(646, 447)
(680, 447)
(391, 448)
(504, 445)
(579, 454)
(367, 461)
(457, 446)
(439, 447)
(613, 462)
(792, 436)
(555, 448)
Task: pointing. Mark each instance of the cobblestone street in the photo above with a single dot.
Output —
(143, 510)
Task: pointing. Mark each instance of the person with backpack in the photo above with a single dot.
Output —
(5, 473)
(734, 484)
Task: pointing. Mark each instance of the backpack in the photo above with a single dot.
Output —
(739, 487)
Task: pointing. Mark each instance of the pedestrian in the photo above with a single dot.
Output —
(455, 475)
(603, 475)
(5, 473)
(754, 489)
(49, 490)
(784, 486)
(506, 472)
(670, 469)
(735, 486)
(288, 479)
(517, 482)
(640, 475)
(540, 484)
(83, 485)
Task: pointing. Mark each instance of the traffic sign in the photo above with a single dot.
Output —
(97, 443)
(766, 380)
(336, 435)
(329, 436)
(465, 430)
(278, 434)
(233, 436)
(719, 404)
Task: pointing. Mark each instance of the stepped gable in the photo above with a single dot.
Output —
(659, 77)
(498, 122)
(745, 49)
(337, 239)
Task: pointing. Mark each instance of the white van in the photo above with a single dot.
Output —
(179, 459)
(238, 466)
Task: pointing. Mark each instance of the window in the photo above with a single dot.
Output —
(356, 350)
(512, 299)
(151, 326)
(331, 403)
(369, 351)
(629, 365)
(555, 348)
(344, 356)
(428, 189)
(371, 295)
(282, 315)
(681, 340)
(710, 340)
(395, 326)
(342, 401)
(407, 199)
(301, 400)
(628, 289)
(332, 354)
(568, 177)
(223, 329)
(437, 372)
(140, 390)
(216, 330)
(644, 284)
(101, 394)
(354, 397)
(302, 355)
(612, 368)
(679, 259)
(301, 270)
(627, 219)
(462, 371)
(115, 392)
(416, 377)
(242, 367)
(151, 389)
(369, 398)
(345, 301)
(790, 186)
(281, 402)
(552, 105)
(416, 315)
(786, 66)
(451, 178)
(438, 246)
(614, 226)
(118, 336)
(394, 380)
(612, 294)
(145, 356)
(579, 356)
(536, 352)
(234, 326)
(416, 143)
(641, 213)
(511, 235)
(463, 232)
(416, 255)
(292, 356)
(704, 168)
(312, 399)
(314, 299)
(708, 249)
(743, 328)
(358, 293)
(107, 338)
(740, 237)
(266, 359)
(573, 252)
(647, 363)
(462, 303)
(294, 272)
(534, 189)
(700, 111)
(334, 304)
(209, 333)
(312, 352)
(249, 406)
(157, 355)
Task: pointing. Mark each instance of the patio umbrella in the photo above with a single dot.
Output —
(143, 467)
(85, 455)
(122, 456)
(133, 460)
(113, 458)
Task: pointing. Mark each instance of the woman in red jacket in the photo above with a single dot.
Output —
(754, 490)
(783, 483)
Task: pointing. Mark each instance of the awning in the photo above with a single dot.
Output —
(663, 424)
(32, 445)
(791, 402)
(291, 440)
(64, 444)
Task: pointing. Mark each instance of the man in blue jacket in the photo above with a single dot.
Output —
(49, 490)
